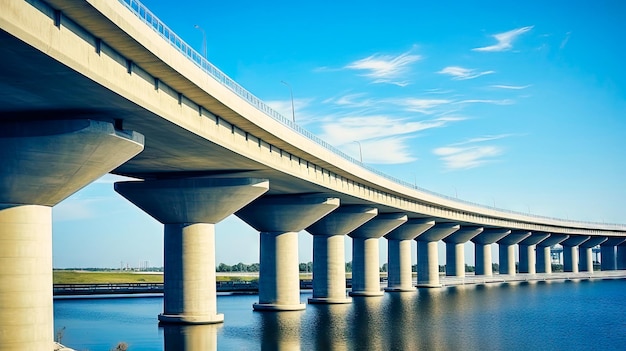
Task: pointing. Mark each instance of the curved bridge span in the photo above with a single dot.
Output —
(96, 86)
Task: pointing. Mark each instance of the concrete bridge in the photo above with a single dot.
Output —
(96, 86)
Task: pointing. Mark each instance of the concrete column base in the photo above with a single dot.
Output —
(544, 262)
(279, 279)
(189, 277)
(329, 300)
(26, 321)
(329, 270)
(365, 267)
(399, 274)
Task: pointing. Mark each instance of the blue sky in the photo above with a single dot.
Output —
(517, 104)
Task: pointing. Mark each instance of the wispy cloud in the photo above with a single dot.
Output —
(391, 150)
(461, 73)
(564, 42)
(386, 68)
(350, 100)
(510, 87)
(425, 106)
(486, 101)
(505, 40)
(470, 153)
(346, 129)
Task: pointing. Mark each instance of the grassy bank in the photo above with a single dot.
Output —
(84, 277)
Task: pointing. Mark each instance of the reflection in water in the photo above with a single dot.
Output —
(280, 330)
(366, 323)
(522, 316)
(330, 326)
(402, 318)
(190, 337)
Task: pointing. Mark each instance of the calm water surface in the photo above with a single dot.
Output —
(571, 315)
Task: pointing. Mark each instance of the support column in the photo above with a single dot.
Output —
(507, 250)
(586, 255)
(329, 262)
(279, 219)
(44, 162)
(570, 252)
(621, 256)
(399, 267)
(455, 253)
(544, 261)
(527, 254)
(428, 255)
(482, 249)
(365, 261)
(189, 208)
(607, 250)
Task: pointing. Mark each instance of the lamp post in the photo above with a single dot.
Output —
(293, 110)
(203, 39)
(360, 151)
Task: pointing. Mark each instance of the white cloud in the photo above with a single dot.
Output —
(505, 40)
(510, 87)
(391, 150)
(386, 68)
(467, 157)
(467, 154)
(351, 100)
(460, 73)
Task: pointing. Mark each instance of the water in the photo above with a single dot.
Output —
(570, 315)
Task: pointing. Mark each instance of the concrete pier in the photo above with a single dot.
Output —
(428, 255)
(399, 267)
(455, 253)
(365, 261)
(44, 162)
(544, 261)
(570, 252)
(189, 209)
(279, 219)
(586, 255)
(609, 260)
(506, 250)
(527, 254)
(329, 261)
(621, 256)
(482, 249)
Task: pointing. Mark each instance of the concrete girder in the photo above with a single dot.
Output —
(190, 208)
(399, 268)
(329, 263)
(279, 219)
(427, 253)
(527, 252)
(609, 250)
(586, 255)
(365, 261)
(455, 253)
(44, 162)
(507, 250)
(570, 252)
(482, 249)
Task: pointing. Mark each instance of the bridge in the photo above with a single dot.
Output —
(97, 86)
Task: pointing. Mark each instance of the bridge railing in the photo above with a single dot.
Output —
(143, 13)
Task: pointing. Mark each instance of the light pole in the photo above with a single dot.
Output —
(360, 151)
(203, 39)
(293, 110)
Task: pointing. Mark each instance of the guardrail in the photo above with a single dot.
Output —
(143, 13)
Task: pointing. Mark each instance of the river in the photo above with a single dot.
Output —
(553, 315)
